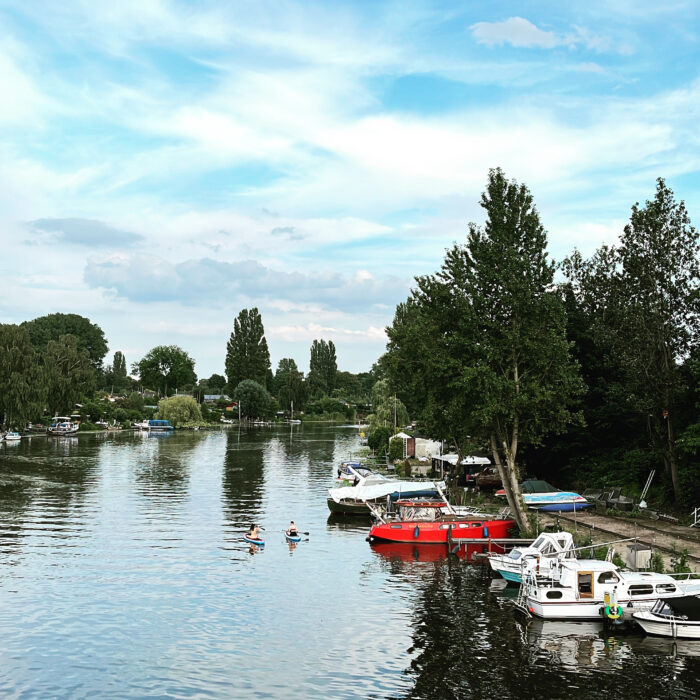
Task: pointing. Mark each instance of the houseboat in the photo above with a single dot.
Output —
(63, 425)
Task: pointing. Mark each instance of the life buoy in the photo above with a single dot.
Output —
(613, 612)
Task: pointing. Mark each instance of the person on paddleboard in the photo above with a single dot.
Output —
(254, 532)
(292, 529)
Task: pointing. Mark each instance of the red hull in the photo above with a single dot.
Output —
(435, 532)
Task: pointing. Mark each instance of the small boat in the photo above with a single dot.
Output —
(154, 426)
(12, 436)
(250, 540)
(589, 589)
(350, 473)
(540, 495)
(542, 554)
(673, 617)
(292, 538)
(63, 425)
(434, 522)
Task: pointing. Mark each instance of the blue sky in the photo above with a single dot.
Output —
(165, 164)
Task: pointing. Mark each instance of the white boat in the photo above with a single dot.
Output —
(63, 425)
(540, 495)
(12, 436)
(674, 617)
(540, 555)
(374, 486)
(588, 589)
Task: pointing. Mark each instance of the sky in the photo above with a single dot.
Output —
(165, 164)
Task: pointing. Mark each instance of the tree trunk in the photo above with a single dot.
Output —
(509, 479)
(672, 458)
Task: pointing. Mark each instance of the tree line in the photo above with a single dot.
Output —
(584, 372)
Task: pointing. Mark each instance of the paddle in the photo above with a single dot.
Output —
(299, 532)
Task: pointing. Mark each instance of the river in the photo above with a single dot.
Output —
(123, 574)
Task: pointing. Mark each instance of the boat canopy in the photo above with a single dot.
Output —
(687, 606)
(537, 486)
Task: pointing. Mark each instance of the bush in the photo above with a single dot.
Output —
(378, 439)
(396, 449)
(180, 411)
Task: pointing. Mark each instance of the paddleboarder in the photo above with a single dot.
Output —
(292, 530)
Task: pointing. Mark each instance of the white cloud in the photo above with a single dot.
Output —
(515, 31)
(311, 331)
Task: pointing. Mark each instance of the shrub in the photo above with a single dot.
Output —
(396, 449)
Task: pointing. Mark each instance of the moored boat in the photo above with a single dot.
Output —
(542, 554)
(431, 522)
(154, 426)
(63, 425)
(540, 495)
(674, 617)
(12, 436)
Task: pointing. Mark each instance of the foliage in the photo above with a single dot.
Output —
(289, 384)
(68, 373)
(247, 355)
(116, 378)
(89, 335)
(254, 400)
(378, 439)
(180, 411)
(166, 368)
(679, 560)
(657, 563)
(22, 390)
(396, 449)
(322, 368)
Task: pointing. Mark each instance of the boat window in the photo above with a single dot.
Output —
(562, 543)
(553, 594)
(515, 554)
(665, 588)
(476, 524)
(463, 525)
(396, 527)
(549, 549)
(585, 584)
(608, 577)
(641, 589)
(444, 527)
(538, 542)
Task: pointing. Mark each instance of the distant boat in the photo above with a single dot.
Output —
(540, 495)
(155, 426)
(63, 425)
(12, 436)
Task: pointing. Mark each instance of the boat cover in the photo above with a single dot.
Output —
(372, 488)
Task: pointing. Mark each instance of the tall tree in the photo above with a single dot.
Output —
(69, 373)
(247, 354)
(497, 363)
(289, 384)
(323, 368)
(166, 368)
(89, 335)
(652, 314)
(116, 377)
(22, 389)
(254, 400)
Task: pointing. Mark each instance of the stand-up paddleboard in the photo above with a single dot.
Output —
(250, 540)
(292, 538)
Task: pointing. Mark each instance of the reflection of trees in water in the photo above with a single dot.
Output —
(468, 645)
(243, 478)
(162, 464)
(47, 479)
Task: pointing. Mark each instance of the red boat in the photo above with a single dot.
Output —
(426, 522)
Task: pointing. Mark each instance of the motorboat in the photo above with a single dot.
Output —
(12, 436)
(375, 488)
(540, 495)
(154, 426)
(434, 521)
(63, 425)
(672, 617)
(589, 589)
(542, 554)
(349, 473)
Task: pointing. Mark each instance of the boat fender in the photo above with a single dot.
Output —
(486, 531)
(416, 532)
(613, 612)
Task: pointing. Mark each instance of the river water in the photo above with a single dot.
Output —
(123, 573)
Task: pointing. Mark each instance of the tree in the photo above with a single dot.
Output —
(216, 383)
(254, 400)
(387, 410)
(247, 355)
(289, 384)
(166, 368)
(69, 373)
(116, 378)
(323, 368)
(491, 331)
(647, 292)
(22, 389)
(89, 335)
(180, 410)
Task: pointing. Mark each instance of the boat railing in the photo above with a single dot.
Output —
(696, 517)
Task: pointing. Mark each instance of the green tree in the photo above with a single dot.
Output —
(323, 368)
(69, 373)
(89, 335)
(216, 383)
(180, 411)
(254, 400)
(289, 384)
(247, 355)
(166, 368)
(22, 389)
(116, 378)
(497, 364)
(378, 439)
